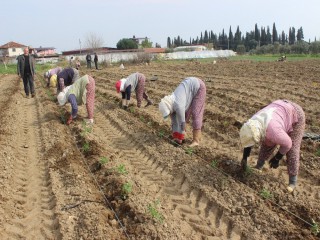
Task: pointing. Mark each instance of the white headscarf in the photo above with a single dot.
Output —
(123, 81)
(166, 105)
(254, 130)
(63, 96)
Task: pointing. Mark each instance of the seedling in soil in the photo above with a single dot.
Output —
(214, 163)
(85, 129)
(131, 109)
(86, 147)
(161, 134)
(104, 160)
(152, 208)
(126, 189)
(266, 194)
(122, 169)
(248, 171)
(141, 118)
(225, 123)
(189, 151)
(315, 228)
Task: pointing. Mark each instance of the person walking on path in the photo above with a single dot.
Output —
(96, 60)
(280, 124)
(88, 59)
(26, 71)
(134, 82)
(187, 99)
(79, 93)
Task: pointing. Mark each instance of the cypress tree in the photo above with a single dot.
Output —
(274, 34)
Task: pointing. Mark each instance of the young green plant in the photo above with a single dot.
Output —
(86, 147)
(315, 228)
(266, 194)
(104, 160)
(153, 210)
(122, 169)
(126, 189)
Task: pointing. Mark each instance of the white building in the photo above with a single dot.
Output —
(11, 49)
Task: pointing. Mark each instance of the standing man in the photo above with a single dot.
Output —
(88, 58)
(96, 60)
(26, 71)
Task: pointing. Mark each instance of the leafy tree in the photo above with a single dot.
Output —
(146, 44)
(315, 47)
(126, 43)
(300, 48)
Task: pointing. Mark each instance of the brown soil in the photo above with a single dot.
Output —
(124, 179)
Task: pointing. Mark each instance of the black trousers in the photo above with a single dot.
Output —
(28, 84)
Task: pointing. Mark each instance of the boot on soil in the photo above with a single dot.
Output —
(124, 104)
(196, 138)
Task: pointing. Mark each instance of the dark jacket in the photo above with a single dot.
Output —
(88, 58)
(95, 58)
(69, 76)
(21, 65)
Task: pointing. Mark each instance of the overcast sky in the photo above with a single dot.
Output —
(61, 23)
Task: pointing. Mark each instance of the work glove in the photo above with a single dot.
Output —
(178, 137)
(69, 120)
(274, 162)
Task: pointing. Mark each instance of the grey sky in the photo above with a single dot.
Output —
(61, 23)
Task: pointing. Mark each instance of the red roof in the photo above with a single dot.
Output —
(154, 50)
(12, 45)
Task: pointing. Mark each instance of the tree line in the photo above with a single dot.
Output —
(260, 40)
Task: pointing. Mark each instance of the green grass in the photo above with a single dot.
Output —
(12, 68)
(273, 58)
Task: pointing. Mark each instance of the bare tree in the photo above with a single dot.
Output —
(93, 41)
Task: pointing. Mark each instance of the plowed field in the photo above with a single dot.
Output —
(122, 178)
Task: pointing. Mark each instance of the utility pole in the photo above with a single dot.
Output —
(80, 45)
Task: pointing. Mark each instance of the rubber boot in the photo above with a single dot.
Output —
(196, 138)
(123, 103)
(292, 183)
